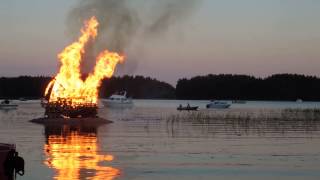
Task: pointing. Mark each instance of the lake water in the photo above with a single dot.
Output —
(143, 144)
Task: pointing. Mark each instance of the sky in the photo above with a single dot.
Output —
(253, 37)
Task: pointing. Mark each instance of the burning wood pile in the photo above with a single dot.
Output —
(63, 108)
(68, 95)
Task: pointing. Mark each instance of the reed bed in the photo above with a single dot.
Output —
(240, 122)
(247, 115)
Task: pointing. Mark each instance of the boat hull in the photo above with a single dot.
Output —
(8, 106)
(4, 150)
(218, 106)
(125, 104)
(187, 108)
(239, 102)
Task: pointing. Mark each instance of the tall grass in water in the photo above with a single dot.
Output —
(263, 114)
(251, 121)
(301, 114)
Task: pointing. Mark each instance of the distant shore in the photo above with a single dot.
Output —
(279, 87)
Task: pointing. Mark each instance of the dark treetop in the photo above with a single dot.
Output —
(275, 87)
(137, 87)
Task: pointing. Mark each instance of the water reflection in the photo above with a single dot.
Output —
(74, 153)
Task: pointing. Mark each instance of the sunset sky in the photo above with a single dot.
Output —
(254, 37)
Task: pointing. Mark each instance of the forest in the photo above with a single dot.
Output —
(223, 86)
(137, 87)
(242, 87)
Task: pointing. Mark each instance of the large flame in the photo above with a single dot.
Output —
(68, 85)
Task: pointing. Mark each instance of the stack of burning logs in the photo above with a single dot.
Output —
(64, 108)
(74, 97)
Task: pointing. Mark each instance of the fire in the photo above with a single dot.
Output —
(67, 84)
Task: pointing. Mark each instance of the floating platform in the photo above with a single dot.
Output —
(71, 121)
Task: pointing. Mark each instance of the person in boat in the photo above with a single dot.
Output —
(6, 101)
(180, 106)
(188, 106)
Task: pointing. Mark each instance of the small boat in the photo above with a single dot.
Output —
(299, 100)
(118, 100)
(218, 105)
(187, 108)
(6, 104)
(239, 102)
(9, 158)
(23, 99)
(4, 151)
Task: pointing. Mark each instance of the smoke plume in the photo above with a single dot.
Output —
(121, 21)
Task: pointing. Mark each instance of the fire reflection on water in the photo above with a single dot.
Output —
(75, 155)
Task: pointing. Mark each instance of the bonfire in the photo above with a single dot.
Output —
(69, 95)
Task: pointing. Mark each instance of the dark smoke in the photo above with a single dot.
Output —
(121, 21)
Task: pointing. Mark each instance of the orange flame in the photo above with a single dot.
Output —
(68, 84)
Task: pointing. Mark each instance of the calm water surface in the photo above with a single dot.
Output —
(143, 144)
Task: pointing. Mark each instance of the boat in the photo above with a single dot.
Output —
(187, 108)
(118, 100)
(239, 102)
(23, 99)
(6, 104)
(214, 104)
(4, 151)
(299, 100)
(9, 158)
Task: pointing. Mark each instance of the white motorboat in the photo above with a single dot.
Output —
(118, 100)
(218, 105)
(6, 104)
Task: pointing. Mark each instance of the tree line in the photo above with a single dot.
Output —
(223, 86)
(137, 87)
(23, 87)
(243, 87)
